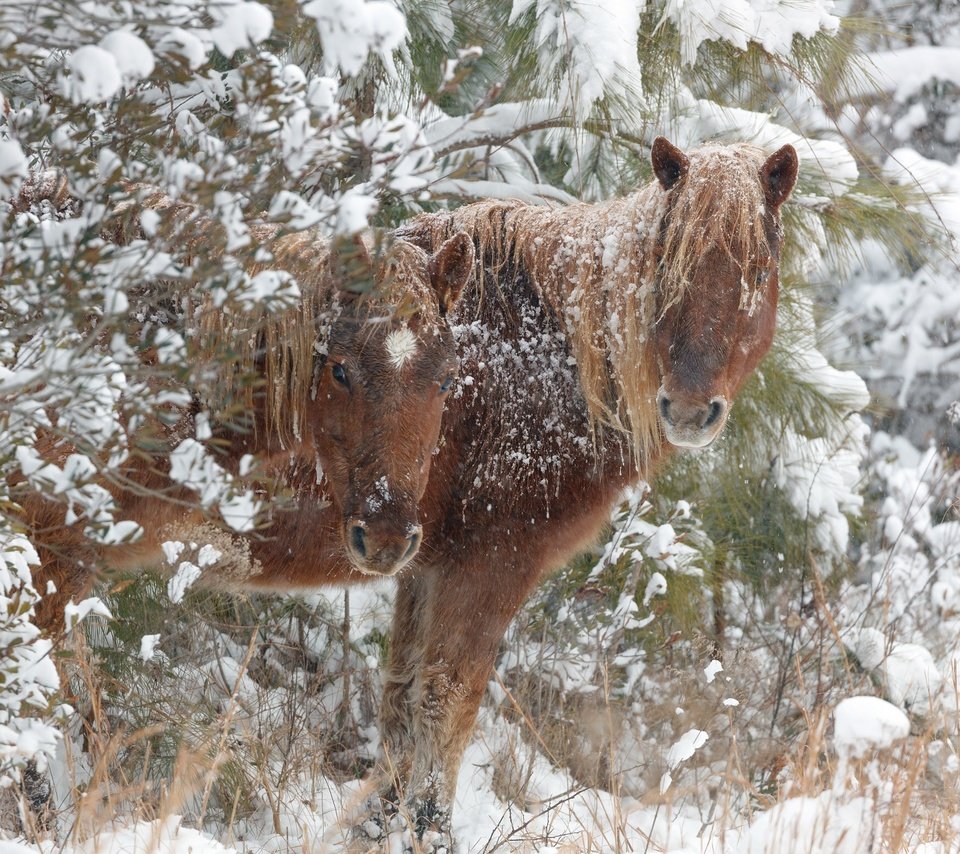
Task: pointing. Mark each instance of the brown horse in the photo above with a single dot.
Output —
(342, 417)
(596, 339)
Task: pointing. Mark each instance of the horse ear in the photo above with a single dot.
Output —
(451, 267)
(779, 174)
(669, 162)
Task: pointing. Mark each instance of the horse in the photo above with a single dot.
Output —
(594, 341)
(340, 397)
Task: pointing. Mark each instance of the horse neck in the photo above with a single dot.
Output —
(593, 267)
(582, 269)
(584, 249)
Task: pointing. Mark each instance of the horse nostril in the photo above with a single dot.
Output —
(716, 409)
(663, 402)
(358, 540)
(414, 540)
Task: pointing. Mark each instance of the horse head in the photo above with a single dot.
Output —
(717, 279)
(389, 365)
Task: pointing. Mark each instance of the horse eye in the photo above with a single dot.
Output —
(340, 374)
(446, 385)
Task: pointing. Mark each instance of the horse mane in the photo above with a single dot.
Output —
(607, 269)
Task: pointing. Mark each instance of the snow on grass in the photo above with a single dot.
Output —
(688, 744)
(711, 670)
(183, 579)
(515, 791)
(811, 824)
(907, 672)
(864, 724)
(163, 836)
(680, 751)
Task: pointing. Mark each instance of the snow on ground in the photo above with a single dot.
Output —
(513, 794)
(163, 836)
(558, 815)
(863, 724)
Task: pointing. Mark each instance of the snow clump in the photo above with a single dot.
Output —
(862, 724)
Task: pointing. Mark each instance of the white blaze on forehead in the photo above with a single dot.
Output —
(401, 346)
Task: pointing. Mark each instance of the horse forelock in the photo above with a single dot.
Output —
(719, 204)
(402, 285)
(650, 246)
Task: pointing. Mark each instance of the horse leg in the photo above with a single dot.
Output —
(396, 712)
(470, 611)
(406, 652)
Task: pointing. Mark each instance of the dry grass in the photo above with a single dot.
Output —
(256, 740)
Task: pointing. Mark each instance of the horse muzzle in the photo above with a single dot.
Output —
(380, 548)
(690, 421)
